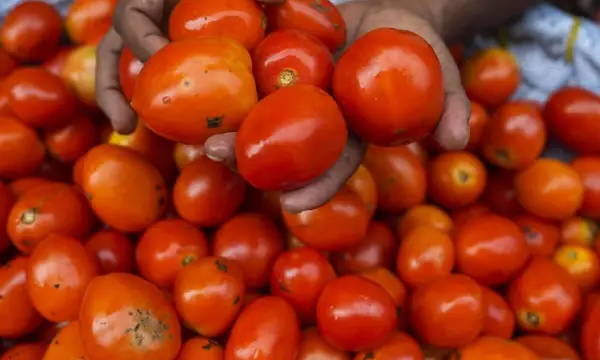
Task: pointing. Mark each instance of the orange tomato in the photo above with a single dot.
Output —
(548, 347)
(500, 194)
(69, 143)
(88, 19)
(429, 215)
(79, 72)
(129, 70)
(67, 344)
(581, 262)
(201, 348)
(25, 351)
(499, 318)
(313, 346)
(579, 231)
(588, 169)
(185, 154)
(113, 250)
(541, 236)
(490, 347)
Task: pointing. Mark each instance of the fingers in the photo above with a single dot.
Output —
(221, 147)
(108, 89)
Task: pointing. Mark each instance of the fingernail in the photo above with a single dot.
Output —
(213, 158)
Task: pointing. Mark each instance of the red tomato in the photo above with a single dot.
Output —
(399, 346)
(56, 63)
(363, 184)
(7, 201)
(320, 19)
(67, 344)
(448, 312)
(545, 298)
(478, 123)
(573, 116)
(500, 194)
(201, 348)
(314, 347)
(588, 169)
(25, 351)
(7, 63)
(124, 317)
(129, 70)
(185, 154)
(88, 19)
(590, 333)
(579, 231)
(394, 286)
(267, 329)
(290, 57)
(69, 143)
(22, 185)
(31, 31)
(113, 250)
(315, 137)
(541, 236)
(166, 247)
(367, 89)
(581, 262)
(429, 215)
(499, 319)
(548, 347)
(79, 73)
(495, 347)
(462, 215)
(194, 88)
(340, 223)
(355, 314)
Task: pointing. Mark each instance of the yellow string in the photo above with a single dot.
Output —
(572, 39)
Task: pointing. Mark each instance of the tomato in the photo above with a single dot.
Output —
(67, 345)
(579, 231)
(31, 31)
(573, 116)
(87, 19)
(399, 346)
(79, 72)
(588, 169)
(7, 63)
(367, 89)
(394, 286)
(208, 295)
(499, 319)
(21, 185)
(550, 189)
(166, 247)
(375, 250)
(429, 215)
(267, 329)
(194, 88)
(125, 190)
(548, 347)
(129, 70)
(185, 154)
(25, 351)
(124, 317)
(456, 179)
(201, 348)
(500, 194)
(400, 177)
(541, 236)
(497, 348)
(19, 317)
(340, 223)
(4, 100)
(581, 262)
(56, 63)
(72, 141)
(315, 138)
(299, 276)
(7, 201)
(590, 334)
(207, 192)
(313, 346)
(478, 123)
(112, 249)
(52, 208)
(289, 57)
(448, 312)
(491, 77)
(462, 215)
(545, 297)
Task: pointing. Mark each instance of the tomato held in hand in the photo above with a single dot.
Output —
(201, 348)
(588, 169)
(129, 70)
(88, 19)
(367, 81)
(490, 347)
(69, 143)
(113, 250)
(399, 346)
(194, 88)
(548, 347)
(124, 317)
(79, 72)
(290, 138)
(313, 346)
(7, 200)
(67, 344)
(499, 319)
(541, 236)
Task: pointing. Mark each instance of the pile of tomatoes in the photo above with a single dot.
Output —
(140, 246)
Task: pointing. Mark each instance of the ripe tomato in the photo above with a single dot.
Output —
(392, 284)
(39, 98)
(541, 236)
(500, 194)
(499, 319)
(573, 116)
(4, 100)
(129, 70)
(7, 201)
(456, 179)
(299, 276)
(579, 231)
(267, 329)
(400, 177)
(588, 169)
(87, 19)
(344, 320)
(315, 138)
(113, 250)
(340, 223)
(462, 215)
(375, 250)
(21, 185)
(124, 317)
(548, 347)
(448, 312)
(496, 348)
(201, 348)
(290, 57)
(79, 72)
(491, 77)
(19, 317)
(67, 344)
(478, 123)
(56, 63)
(491, 249)
(125, 190)
(367, 90)
(429, 215)
(207, 192)
(239, 20)
(7, 63)
(194, 88)
(581, 262)
(25, 351)
(535, 309)
(69, 143)
(550, 189)
(31, 31)
(184, 154)
(208, 295)
(313, 346)
(166, 247)
(399, 346)
(53, 208)
(590, 333)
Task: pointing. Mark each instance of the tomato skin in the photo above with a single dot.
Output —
(500, 194)
(316, 227)
(271, 162)
(7, 63)
(124, 189)
(184, 154)
(69, 143)
(588, 169)
(371, 107)
(125, 301)
(548, 347)
(363, 184)
(194, 88)
(56, 63)
(87, 19)
(313, 346)
(113, 250)
(79, 72)
(581, 262)
(400, 346)
(343, 318)
(536, 310)
(573, 116)
(25, 351)
(7, 200)
(426, 214)
(201, 348)
(541, 236)
(31, 31)
(499, 318)
(440, 319)
(67, 344)
(129, 70)
(496, 348)
(267, 329)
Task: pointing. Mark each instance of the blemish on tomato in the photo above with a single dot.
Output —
(220, 266)
(188, 259)
(166, 100)
(236, 300)
(214, 122)
(28, 217)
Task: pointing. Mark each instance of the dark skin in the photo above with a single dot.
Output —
(138, 23)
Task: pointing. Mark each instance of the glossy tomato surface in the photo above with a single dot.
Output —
(87, 20)
(23, 150)
(588, 169)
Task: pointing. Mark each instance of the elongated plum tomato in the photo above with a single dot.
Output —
(290, 138)
(373, 72)
(290, 57)
(194, 88)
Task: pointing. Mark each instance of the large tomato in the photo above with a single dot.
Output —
(367, 81)
(290, 138)
(588, 169)
(194, 88)
(23, 151)
(89, 19)
(79, 73)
